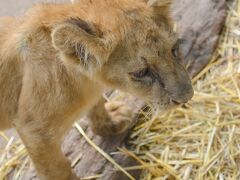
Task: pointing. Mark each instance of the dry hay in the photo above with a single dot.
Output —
(13, 157)
(200, 140)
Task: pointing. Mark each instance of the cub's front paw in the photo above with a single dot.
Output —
(120, 117)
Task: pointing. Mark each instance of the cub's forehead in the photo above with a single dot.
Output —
(157, 36)
(153, 43)
(156, 33)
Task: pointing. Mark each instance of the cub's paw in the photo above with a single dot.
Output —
(119, 118)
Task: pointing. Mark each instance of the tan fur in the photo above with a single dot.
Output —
(56, 61)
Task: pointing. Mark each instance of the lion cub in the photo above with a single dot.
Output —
(56, 61)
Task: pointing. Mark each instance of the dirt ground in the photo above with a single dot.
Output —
(17, 7)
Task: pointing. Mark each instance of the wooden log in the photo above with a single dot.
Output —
(199, 23)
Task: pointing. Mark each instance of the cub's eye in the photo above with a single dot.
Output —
(140, 74)
(175, 50)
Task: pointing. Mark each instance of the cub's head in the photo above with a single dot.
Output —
(128, 45)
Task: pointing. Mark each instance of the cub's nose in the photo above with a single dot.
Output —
(183, 94)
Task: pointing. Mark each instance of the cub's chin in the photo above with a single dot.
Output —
(166, 106)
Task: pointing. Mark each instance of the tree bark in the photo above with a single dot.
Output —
(200, 24)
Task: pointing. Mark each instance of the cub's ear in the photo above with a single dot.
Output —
(81, 43)
(162, 12)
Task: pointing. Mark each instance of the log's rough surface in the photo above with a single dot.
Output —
(199, 22)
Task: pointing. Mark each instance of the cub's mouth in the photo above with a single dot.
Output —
(167, 104)
(175, 102)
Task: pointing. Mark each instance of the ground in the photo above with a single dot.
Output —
(13, 7)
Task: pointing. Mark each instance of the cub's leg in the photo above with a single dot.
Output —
(110, 118)
(43, 143)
